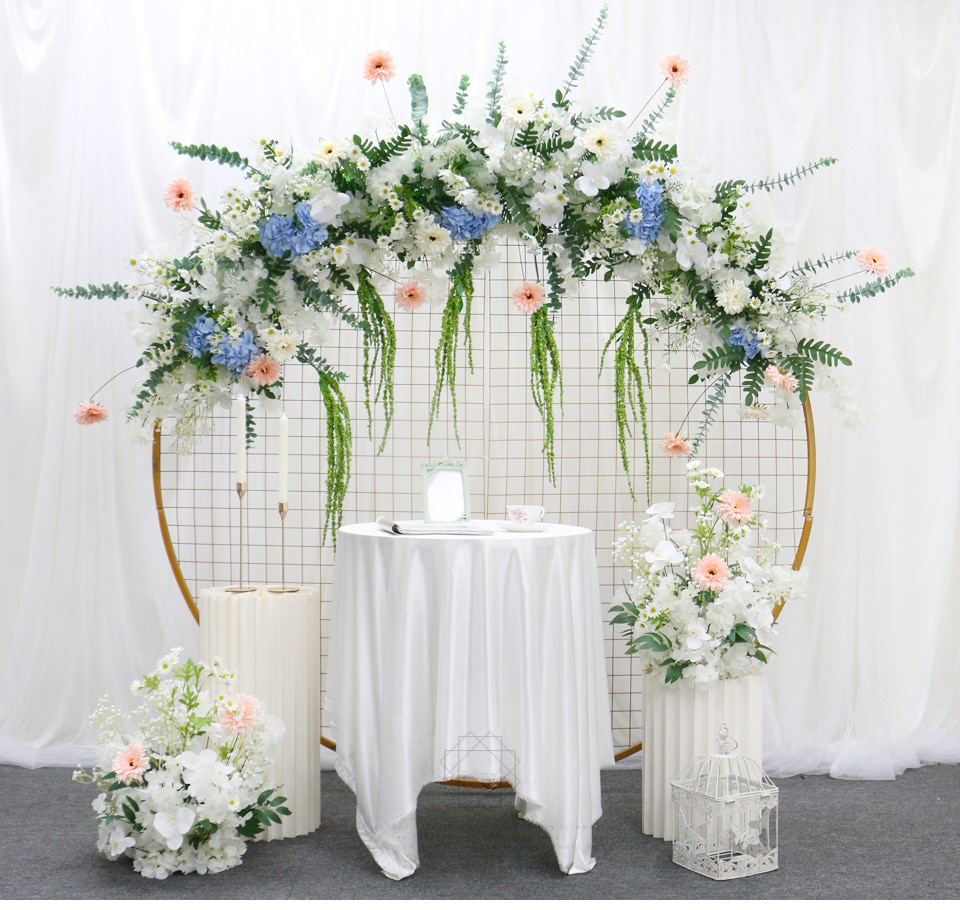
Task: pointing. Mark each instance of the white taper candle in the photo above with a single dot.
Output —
(284, 452)
(241, 412)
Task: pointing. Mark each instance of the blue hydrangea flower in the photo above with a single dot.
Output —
(742, 337)
(235, 355)
(464, 224)
(287, 236)
(647, 225)
(277, 233)
(310, 234)
(198, 338)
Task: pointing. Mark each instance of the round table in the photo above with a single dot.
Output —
(469, 657)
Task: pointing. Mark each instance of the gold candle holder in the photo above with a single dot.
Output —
(240, 588)
(284, 588)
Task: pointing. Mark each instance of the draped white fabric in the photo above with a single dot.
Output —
(868, 667)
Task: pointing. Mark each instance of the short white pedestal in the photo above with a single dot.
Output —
(681, 723)
(272, 642)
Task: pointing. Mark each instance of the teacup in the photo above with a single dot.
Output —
(525, 514)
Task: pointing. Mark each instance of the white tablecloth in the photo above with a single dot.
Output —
(477, 657)
(272, 642)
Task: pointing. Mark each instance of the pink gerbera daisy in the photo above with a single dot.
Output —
(676, 446)
(179, 195)
(675, 68)
(410, 295)
(379, 67)
(263, 370)
(130, 763)
(734, 507)
(786, 381)
(873, 261)
(529, 297)
(241, 715)
(90, 412)
(711, 573)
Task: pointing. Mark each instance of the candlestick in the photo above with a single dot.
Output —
(283, 589)
(283, 459)
(241, 412)
(240, 588)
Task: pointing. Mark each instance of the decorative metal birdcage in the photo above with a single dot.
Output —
(725, 815)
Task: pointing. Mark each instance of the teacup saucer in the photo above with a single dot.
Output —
(523, 526)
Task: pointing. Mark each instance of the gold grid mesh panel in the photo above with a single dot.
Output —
(500, 439)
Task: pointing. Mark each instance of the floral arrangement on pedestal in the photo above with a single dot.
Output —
(183, 779)
(700, 603)
(410, 214)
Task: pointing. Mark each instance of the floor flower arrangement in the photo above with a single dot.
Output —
(183, 780)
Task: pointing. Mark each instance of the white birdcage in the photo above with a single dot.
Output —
(725, 815)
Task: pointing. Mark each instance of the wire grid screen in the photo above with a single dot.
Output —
(498, 433)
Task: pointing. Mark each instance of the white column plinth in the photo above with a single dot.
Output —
(272, 642)
(681, 723)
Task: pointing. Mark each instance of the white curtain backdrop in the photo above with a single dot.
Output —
(867, 676)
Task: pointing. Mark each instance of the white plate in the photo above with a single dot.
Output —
(523, 527)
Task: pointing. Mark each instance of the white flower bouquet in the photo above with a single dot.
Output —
(700, 607)
(183, 779)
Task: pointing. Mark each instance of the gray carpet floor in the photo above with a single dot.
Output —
(838, 839)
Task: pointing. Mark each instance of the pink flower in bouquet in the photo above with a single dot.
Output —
(529, 297)
(711, 573)
(873, 261)
(180, 195)
(786, 381)
(90, 412)
(676, 446)
(241, 715)
(675, 68)
(263, 370)
(379, 66)
(130, 763)
(410, 295)
(734, 507)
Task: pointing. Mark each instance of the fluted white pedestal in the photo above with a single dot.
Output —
(680, 723)
(272, 642)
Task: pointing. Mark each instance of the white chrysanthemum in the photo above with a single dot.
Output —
(430, 238)
(603, 140)
(519, 109)
(734, 297)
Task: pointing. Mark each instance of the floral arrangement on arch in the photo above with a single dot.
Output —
(407, 215)
(700, 603)
(183, 780)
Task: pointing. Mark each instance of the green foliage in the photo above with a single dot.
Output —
(762, 250)
(381, 152)
(113, 291)
(545, 380)
(825, 353)
(339, 445)
(656, 115)
(725, 357)
(460, 102)
(788, 179)
(418, 103)
(264, 812)
(753, 379)
(711, 409)
(212, 153)
(579, 65)
(495, 86)
(379, 353)
(628, 381)
(812, 266)
(873, 288)
(652, 150)
(445, 354)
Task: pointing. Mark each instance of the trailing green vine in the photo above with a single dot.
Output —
(379, 351)
(339, 449)
(628, 381)
(459, 300)
(546, 381)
